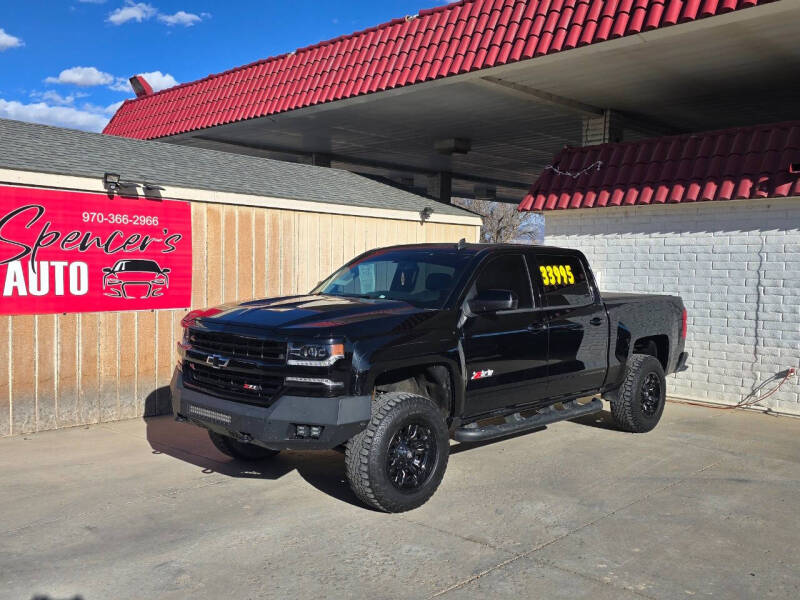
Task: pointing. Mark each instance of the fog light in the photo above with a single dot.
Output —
(308, 431)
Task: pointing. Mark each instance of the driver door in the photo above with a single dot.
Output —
(505, 352)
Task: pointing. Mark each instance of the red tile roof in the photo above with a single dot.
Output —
(748, 162)
(439, 42)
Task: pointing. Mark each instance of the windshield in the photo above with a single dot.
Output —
(136, 265)
(423, 277)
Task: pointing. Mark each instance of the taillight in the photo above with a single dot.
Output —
(683, 325)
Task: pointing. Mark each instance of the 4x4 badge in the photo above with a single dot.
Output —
(217, 361)
(482, 374)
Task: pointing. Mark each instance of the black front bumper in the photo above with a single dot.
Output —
(274, 426)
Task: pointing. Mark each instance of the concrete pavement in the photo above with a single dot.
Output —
(704, 506)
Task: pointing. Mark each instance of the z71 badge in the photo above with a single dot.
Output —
(482, 374)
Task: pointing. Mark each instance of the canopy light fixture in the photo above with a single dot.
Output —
(425, 214)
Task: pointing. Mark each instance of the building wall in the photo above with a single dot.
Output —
(735, 264)
(73, 369)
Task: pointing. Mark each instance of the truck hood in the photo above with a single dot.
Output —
(317, 315)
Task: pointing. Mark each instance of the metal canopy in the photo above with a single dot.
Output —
(731, 70)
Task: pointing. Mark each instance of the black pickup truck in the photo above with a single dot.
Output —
(406, 347)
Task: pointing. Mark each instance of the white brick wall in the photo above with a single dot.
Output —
(735, 264)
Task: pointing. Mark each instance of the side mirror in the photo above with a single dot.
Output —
(165, 271)
(493, 300)
(106, 269)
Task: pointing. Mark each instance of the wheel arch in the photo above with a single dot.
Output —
(653, 345)
(435, 379)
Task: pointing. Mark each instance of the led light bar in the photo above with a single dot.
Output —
(207, 413)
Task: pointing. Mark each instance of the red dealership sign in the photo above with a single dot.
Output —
(81, 252)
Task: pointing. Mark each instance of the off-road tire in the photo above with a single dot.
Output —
(239, 450)
(627, 404)
(367, 453)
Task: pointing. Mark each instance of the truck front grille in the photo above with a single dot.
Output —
(233, 345)
(248, 387)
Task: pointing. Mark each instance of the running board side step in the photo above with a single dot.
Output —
(516, 423)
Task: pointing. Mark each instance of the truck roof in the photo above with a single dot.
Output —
(480, 247)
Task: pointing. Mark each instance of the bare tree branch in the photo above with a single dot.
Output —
(503, 223)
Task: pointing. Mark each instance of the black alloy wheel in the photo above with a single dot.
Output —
(639, 402)
(411, 456)
(398, 461)
(651, 394)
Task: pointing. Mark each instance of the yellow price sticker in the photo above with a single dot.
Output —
(556, 275)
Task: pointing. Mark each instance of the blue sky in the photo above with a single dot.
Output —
(67, 63)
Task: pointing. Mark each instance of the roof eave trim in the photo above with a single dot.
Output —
(95, 184)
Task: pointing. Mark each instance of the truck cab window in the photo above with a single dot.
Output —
(506, 272)
(563, 280)
(424, 278)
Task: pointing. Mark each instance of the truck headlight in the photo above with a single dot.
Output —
(314, 355)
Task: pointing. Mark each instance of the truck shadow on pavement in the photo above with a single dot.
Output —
(600, 420)
(324, 470)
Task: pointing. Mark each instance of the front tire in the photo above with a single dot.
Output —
(640, 400)
(239, 450)
(398, 461)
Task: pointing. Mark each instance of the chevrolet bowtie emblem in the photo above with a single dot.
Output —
(217, 361)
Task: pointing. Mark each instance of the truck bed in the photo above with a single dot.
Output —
(634, 316)
(630, 297)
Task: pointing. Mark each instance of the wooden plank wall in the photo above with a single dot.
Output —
(74, 369)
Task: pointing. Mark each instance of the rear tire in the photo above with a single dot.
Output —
(398, 461)
(239, 450)
(640, 400)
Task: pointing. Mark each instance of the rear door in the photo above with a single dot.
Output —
(576, 320)
(505, 352)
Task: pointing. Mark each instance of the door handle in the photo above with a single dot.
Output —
(596, 321)
(536, 326)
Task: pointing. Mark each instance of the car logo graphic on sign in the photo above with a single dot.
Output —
(482, 374)
(217, 361)
(135, 278)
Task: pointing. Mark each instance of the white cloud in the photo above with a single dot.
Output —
(112, 108)
(181, 18)
(9, 41)
(132, 11)
(101, 110)
(54, 97)
(141, 11)
(60, 116)
(157, 80)
(82, 76)
(120, 85)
